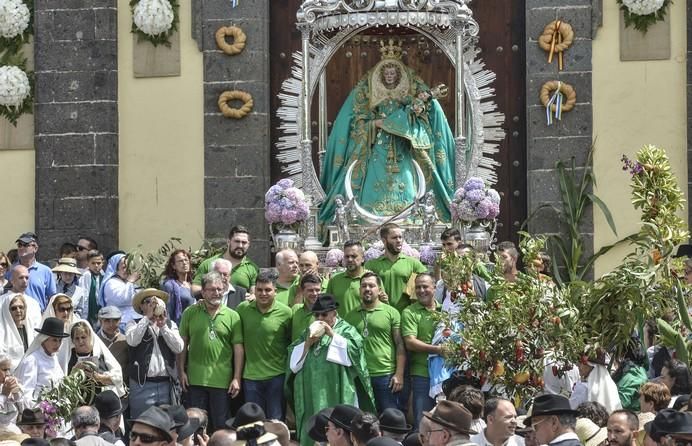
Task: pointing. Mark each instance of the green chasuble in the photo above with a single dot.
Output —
(320, 383)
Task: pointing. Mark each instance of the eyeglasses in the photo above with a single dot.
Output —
(16, 308)
(144, 438)
(64, 309)
(533, 425)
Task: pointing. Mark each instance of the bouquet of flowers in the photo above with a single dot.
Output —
(428, 256)
(474, 201)
(14, 18)
(285, 205)
(643, 13)
(334, 258)
(155, 20)
(377, 249)
(58, 401)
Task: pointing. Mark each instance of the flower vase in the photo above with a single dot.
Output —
(286, 238)
(476, 234)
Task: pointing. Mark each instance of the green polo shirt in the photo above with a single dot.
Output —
(293, 290)
(378, 342)
(395, 276)
(346, 291)
(281, 294)
(267, 337)
(210, 361)
(302, 318)
(418, 321)
(243, 274)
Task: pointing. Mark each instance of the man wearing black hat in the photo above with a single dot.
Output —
(41, 278)
(110, 411)
(327, 366)
(339, 424)
(670, 428)
(33, 423)
(152, 428)
(393, 424)
(553, 420)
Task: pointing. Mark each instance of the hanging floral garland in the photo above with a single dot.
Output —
(641, 14)
(155, 20)
(16, 83)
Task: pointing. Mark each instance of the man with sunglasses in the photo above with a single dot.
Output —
(152, 428)
(327, 367)
(41, 279)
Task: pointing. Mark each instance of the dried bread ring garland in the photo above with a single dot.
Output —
(566, 32)
(567, 90)
(231, 112)
(239, 39)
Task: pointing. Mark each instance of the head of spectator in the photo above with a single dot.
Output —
(238, 242)
(551, 416)
(49, 337)
(247, 414)
(265, 292)
(425, 289)
(370, 286)
(393, 239)
(308, 263)
(179, 266)
(501, 420)
(223, 267)
(85, 421)
(84, 245)
(19, 278)
(32, 422)
(509, 256)
(60, 306)
(676, 376)
(4, 265)
(451, 239)
(324, 310)
(339, 423)
(594, 411)
(622, 428)
(95, 261)
(27, 247)
(183, 427)
(311, 286)
(110, 409)
(203, 417)
(287, 266)
(254, 434)
(153, 428)
(364, 427)
(353, 257)
(590, 434)
(68, 250)
(471, 398)
(67, 271)
(17, 307)
(450, 422)
(222, 437)
(393, 424)
(317, 425)
(109, 318)
(82, 339)
(669, 428)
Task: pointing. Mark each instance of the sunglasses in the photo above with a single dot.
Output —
(145, 438)
(64, 309)
(16, 308)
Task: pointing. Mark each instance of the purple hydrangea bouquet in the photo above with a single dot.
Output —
(475, 201)
(285, 205)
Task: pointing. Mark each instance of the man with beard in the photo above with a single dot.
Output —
(308, 263)
(213, 352)
(287, 266)
(384, 348)
(345, 286)
(232, 295)
(244, 272)
(509, 255)
(310, 285)
(622, 428)
(501, 418)
(394, 268)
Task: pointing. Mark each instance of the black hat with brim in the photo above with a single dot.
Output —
(325, 302)
(247, 414)
(317, 423)
(394, 420)
(669, 422)
(108, 404)
(31, 417)
(158, 419)
(549, 405)
(53, 327)
(343, 414)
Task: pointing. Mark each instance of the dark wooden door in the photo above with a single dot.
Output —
(502, 37)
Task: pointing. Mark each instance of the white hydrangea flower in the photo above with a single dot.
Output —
(153, 17)
(643, 7)
(14, 18)
(14, 86)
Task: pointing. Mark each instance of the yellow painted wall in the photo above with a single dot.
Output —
(635, 103)
(17, 215)
(161, 176)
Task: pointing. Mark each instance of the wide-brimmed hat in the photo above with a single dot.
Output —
(53, 327)
(452, 415)
(283, 434)
(67, 265)
(108, 404)
(394, 420)
(343, 414)
(27, 237)
(317, 424)
(548, 405)
(147, 292)
(31, 417)
(325, 302)
(254, 432)
(184, 425)
(247, 414)
(158, 419)
(590, 433)
(669, 422)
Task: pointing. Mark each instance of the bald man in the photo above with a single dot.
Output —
(19, 278)
(287, 265)
(308, 263)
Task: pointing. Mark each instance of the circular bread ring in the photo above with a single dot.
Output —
(565, 30)
(549, 87)
(239, 39)
(231, 112)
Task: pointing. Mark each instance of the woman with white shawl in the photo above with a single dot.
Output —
(17, 331)
(595, 385)
(84, 345)
(118, 288)
(39, 367)
(60, 306)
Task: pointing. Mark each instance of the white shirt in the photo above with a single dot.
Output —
(37, 371)
(480, 440)
(120, 293)
(135, 332)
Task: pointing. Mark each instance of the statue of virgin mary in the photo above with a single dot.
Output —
(389, 136)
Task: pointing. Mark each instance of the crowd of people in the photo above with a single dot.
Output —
(228, 353)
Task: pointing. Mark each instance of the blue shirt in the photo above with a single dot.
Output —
(41, 283)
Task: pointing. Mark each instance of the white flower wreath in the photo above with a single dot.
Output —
(14, 86)
(153, 17)
(643, 7)
(14, 18)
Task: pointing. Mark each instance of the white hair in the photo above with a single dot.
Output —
(221, 262)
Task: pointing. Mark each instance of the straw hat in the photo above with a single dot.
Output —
(67, 265)
(589, 433)
(147, 292)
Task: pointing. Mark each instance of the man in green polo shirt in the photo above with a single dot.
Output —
(345, 286)
(213, 352)
(287, 266)
(417, 327)
(308, 263)
(244, 271)
(267, 334)
(311, 286)
(394, 268)
(385, 353)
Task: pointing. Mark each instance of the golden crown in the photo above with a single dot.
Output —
(390, 50)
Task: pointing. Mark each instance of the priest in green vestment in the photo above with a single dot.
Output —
(388, 121)
(327, 367)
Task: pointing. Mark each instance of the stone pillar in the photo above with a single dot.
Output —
(236, 151)
(571, 137)
(76, 122)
